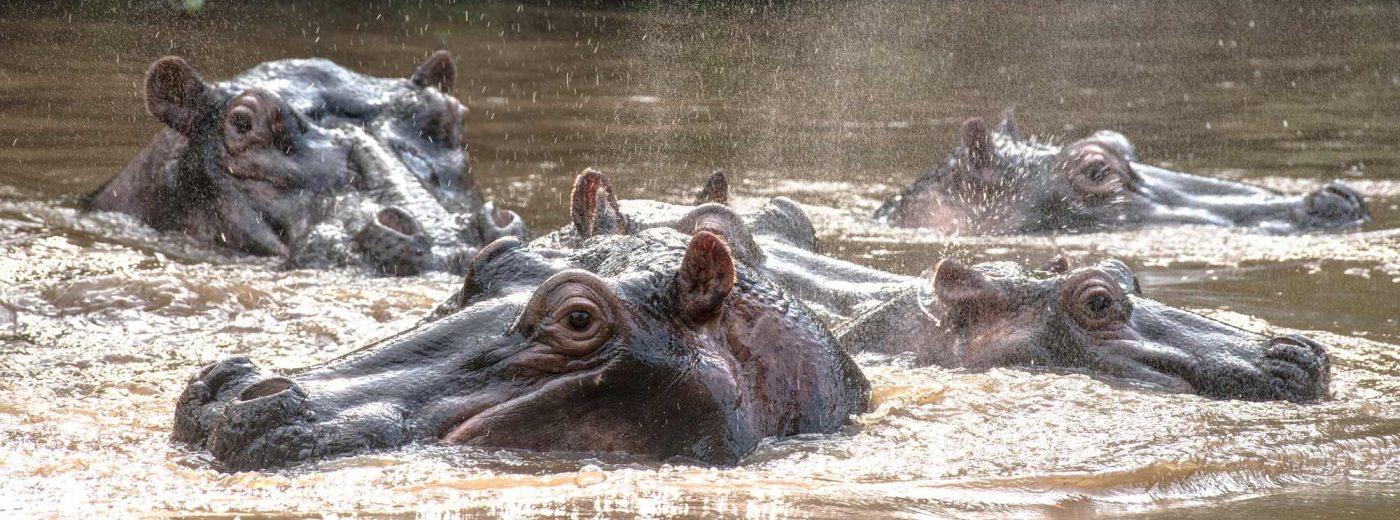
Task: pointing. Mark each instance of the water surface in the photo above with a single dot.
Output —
(835, 105)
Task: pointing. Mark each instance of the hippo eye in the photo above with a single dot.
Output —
(579, 321)
(241, 119)
(1099, 302)
(1098, 172)
(1095, 301)
(573, 313)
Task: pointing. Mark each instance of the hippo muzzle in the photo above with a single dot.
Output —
(1180, 351)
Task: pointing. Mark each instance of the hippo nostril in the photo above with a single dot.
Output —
(1337, 201)
(217, 375)
(398, 220)
(502, 217)
(267, 387)
(1302, 342)
(1299, 367)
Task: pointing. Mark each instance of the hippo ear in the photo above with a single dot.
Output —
(175, 94)
(963, 290)
(1008, 125)
(716, 189)
(1060, 264)
(705, 278)
(975, 149)
(594, 207)
(437, 71)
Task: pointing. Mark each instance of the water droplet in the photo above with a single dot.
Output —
(589, 475)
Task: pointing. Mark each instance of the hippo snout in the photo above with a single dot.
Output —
(1298, 368)
(205, 394)
(244, 419)
(1335, 205)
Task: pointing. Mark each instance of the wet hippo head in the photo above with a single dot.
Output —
(307, 160)
(1092, 320)
(999, 182)
(656, 344)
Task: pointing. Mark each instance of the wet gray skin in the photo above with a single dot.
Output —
(309, 161)
(656, 344)
(1092, 320)
(777, 240)
(998, 182)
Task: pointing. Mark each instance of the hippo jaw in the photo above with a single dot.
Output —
(1092, 321)
(1166, 197)
(1180, 351)
(691, 360)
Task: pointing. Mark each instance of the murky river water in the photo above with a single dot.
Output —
(834, 105)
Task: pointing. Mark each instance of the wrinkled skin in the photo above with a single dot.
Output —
(656, 344)
(305, 160)
(1092, 320)
(997, 182)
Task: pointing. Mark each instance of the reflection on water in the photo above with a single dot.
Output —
(834, 105)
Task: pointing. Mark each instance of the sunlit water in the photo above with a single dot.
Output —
(101, 320)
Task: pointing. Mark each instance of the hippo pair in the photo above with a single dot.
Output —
(646, 328)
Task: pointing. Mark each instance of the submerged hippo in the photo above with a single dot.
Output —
(777, 239)
(1092, 320)
(998, 182)
(656, 344)
(307, 160)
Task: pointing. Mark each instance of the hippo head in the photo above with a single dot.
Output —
(656, 344)
(307, 160)
(998, 182)
(1092, 320)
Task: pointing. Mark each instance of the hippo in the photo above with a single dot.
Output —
(1093, 320)
(998, 182)
(655, 344)
(777, 239)
(307, 161)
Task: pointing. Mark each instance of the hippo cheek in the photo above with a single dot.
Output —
(1138, 361)
(598, 412)
(562, 414)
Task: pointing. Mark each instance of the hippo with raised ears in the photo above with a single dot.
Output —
(656, 344)
(1093, 320)
(309, 161)
(777, 239)
(999, 182)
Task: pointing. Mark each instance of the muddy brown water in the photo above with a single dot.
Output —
(835, 105)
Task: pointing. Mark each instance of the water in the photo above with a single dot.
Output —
(834, 105)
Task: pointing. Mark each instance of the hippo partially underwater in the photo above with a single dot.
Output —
(656, 344)
(306, 160)
(1092, 320)
(999, 182)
